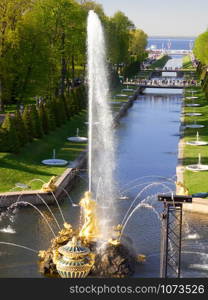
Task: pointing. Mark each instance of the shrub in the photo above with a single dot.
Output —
(27, 123)
(11, 140)
(20, 128)
(36, 122)
(50, 115)
(44, 118)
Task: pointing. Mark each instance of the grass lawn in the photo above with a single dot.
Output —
(196, 181)
(27, 165)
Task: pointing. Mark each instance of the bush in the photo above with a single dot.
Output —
(61, 109)
(3, 140)
(11, 141)
(26, 117)
(50, 115)
(20, 128)
(44, 118)
(36, 123)
(132, 69)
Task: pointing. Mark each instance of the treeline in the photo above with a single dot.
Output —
(42, 46)
(201, 54)
(35, 121)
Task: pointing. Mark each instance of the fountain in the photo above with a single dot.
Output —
(75, 261)
(197, 167)
(121, 96)
(193, 114)
(95, 236)
(77, 138)
(192, 91)
(192, 105)
(197, 142)
(21, 185)
(127, 89)
(54, 161)
(194, 126)
(192, 97)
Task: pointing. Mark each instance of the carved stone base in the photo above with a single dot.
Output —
(114, 261)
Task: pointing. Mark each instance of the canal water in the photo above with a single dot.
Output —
(147, 142)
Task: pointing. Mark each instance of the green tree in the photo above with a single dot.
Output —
(44, 118)
(118, 36)
(201, 48)
(12, 143)
(36, 122)
(50, 115)
(138, 44)
(11, 14)
(20, 128)
(26, 117)
(65, 25)
(3, 140)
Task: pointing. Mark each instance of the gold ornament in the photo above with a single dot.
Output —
(181, 189)
(49, 186)
(89, 230)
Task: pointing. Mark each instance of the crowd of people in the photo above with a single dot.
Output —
(167, 82)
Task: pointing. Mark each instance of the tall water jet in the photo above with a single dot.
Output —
(101, 161)
(97, 216)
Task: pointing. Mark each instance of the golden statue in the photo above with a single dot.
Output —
(117, 232)
(42, 254)
(49, 186)
(141, 258)
(181, 189)
(89, 229)
(67, 230)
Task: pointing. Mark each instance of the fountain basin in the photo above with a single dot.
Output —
(193, 114)
(128, 90)
(54, 162)
(121, 96)
(194, 126)
(192, 97)
(197, 143)
(197, 167)
(118, 102)
(192, 105)
(77, 139)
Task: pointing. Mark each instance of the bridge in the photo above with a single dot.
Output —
(162, 72)
(162, 84)
(170, 51)
(169, 70)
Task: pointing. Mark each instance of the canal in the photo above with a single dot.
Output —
(147, 143)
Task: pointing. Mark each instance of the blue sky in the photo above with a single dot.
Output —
(163, 17)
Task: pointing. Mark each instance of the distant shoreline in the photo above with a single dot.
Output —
(171, 37)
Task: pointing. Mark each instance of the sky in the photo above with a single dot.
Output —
(163, 17)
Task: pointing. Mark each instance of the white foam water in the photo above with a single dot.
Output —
(101, 147)
(199, 267)
(8, 229)
(193, 236)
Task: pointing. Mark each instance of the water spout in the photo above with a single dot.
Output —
(38, 210)
(101, 148)
(19, 246)
(54, 154)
